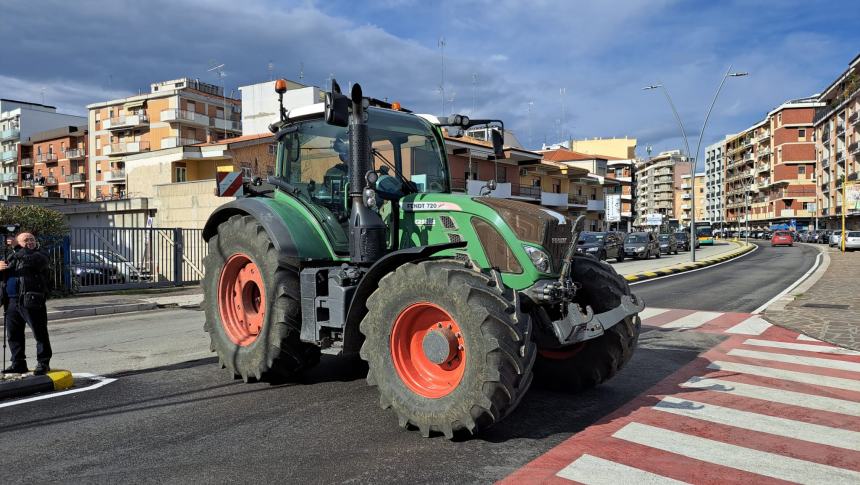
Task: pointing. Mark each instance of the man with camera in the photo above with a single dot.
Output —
(26, 279)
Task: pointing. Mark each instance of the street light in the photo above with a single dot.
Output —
(729, 73)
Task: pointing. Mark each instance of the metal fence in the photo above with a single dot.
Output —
(110, 258)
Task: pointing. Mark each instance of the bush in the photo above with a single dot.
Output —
(47, 223)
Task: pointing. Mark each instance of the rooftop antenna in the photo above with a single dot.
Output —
(563, 93)
(219, 69)
(474, 93)
(271, 69)
(301, 71)
(531, 103)
(442, 84)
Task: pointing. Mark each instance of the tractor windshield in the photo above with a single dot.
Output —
(314, 159)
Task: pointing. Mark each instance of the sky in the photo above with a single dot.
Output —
(550, 70)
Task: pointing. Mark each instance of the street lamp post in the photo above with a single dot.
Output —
(729, 73)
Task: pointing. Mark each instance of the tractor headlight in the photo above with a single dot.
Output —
(539, 258)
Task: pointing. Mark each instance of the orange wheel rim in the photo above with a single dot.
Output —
(241, 300)
(428, 350)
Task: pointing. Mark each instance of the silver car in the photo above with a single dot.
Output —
(852, 240)
(835, 239)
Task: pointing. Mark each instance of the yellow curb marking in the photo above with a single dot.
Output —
(62, 379)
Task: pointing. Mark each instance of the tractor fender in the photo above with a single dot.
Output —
(279, 233)
(352, 338)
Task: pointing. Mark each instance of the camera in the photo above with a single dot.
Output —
(9, 229)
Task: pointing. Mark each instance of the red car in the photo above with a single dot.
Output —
(782, 238)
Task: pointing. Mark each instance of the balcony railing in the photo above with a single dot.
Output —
(175, 141)
(553, 199)
(183, 116)
(763, 167)
(9, 134)
(114, 176)
(27, 184)
(27, 162)
(47, 157)
(46, 181)
(8, 155)
(840, 129)
(125, 148)
(527, 191)
(8, 177)
(76, 178)
(222, 124)
(596, 205)
(74, 153)
(126, 121)
(574, 199)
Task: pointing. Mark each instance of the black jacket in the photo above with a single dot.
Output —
(33, 270)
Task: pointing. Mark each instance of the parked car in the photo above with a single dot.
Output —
(122, 265)
(641, 245)
(668, 244)
(602, 245)
(852, 240)
(88, 270)
(782, 238)
(835, 239)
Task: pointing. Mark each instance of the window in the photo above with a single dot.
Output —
(501, 174)
(273, 149)
(801, 169)
(180, 174)
(801, 133)
(98, 143)
(779, 119)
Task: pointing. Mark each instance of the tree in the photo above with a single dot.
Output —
(45, 222)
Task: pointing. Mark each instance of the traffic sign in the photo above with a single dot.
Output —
(229, 184)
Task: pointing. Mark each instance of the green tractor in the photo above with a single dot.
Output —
(358, 245)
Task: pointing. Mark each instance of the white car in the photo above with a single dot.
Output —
(835, 239)
(852, 240)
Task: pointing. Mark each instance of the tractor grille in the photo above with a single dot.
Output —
(556, 240)
(448, 222)
(454, 237)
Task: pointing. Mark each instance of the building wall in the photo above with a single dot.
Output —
(260, 104)
(187, 204)
(614, 147)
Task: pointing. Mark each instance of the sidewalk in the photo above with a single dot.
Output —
(830, 309)
(108, 304)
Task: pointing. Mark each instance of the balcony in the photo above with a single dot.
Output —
(114, 176)
(186, 117)
(9, 134)
(8, 177)
(124, 122)
(685, 186)
(126, 148)
(763, 153)
(175, 141)
(26, 162)
(685, 196)
(763, 167)
(525, 191)
(76, 178)
(9, 155)
(74, 154)
(27, 184)
(596, 205)
(855, 118)
(47, 181)
(47, 158)
(840, 129)
(577, 200)
(221, 124)
(552, 199)
(685, 207)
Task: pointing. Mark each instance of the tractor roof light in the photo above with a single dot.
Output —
(281, 86)
(396, 106)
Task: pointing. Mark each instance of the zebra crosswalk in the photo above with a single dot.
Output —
(767, 405)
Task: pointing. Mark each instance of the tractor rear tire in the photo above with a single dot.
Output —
(590, 363)
(241, 256)
(485, 367)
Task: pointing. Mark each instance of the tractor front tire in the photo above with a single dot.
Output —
(587, 364)
(253, 315)
(447, 347)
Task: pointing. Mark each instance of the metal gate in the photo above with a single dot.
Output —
(113, 258)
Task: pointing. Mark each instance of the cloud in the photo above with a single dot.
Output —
(521, 53)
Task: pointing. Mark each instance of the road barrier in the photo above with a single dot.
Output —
(680, 268)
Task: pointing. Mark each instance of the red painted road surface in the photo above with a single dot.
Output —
(767, 405)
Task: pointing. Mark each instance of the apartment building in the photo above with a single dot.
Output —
(18, 121)
(594, 186)
(714, 184)
(53, 163)
(684, 199)
(174, 113)
(623, 171)
(837, 150)
(770, 169)
(620, 148)
(657, 180)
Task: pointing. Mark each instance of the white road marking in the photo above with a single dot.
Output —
(592, 470)
(102, 381)
(793, 285)
(822, 349)
(810, 401)
(807, 338)
(797, 359)
(649, 312)
(753, 325)
(693, 320)
(788, 428)
(787, 375)
(733, 456)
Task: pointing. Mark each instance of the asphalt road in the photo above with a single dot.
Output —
(188, 421)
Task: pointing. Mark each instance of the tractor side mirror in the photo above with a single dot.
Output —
(498, 142)
(488, 188)
(336, 106)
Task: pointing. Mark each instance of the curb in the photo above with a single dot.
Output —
(647, 275)
(55, 380)
(100, 310)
